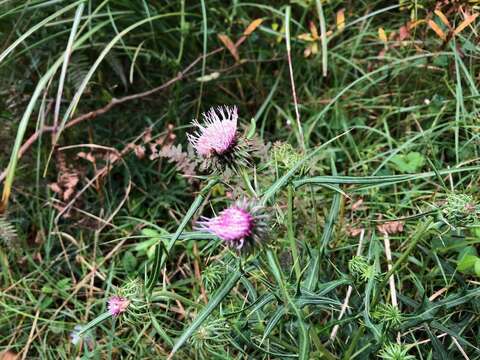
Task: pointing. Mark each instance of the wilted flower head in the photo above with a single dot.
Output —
(216, 139)
(117, 305)
(240, 225)
(8, 233)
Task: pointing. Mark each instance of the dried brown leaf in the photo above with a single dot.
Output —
(228, 43)
(252, 26)
(391, 227)
(357, 205)
(313, 30)
(8, 355)
(354, 231)
(437, 29)
(147, 137)
(139, 151)
(382, 35)
(87, 156)
(341, 19)
(55, 188)
(465, 23)
(404, 33)
(442, 17)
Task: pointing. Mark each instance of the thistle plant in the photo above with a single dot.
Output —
(386, 113)
(212, 276)
(211, 338)
(285, 157)
(388, 314)
(133, 294)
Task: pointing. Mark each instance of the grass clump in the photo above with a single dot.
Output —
(325, 208)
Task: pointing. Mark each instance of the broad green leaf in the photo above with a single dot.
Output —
(477, 267)
(467, 262)
(409, 163)
(129, 262)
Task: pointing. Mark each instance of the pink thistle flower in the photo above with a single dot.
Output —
(117, 305)
(238, 225)
(217, 135)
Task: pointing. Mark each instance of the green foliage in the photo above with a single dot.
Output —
(388, 114)
(360, 269)
(469, 261)
(409, 163)
(460, 210)
(395, 352)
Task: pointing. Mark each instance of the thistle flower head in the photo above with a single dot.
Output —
(117, 305)
(216, 139)
(239, 226)
(218, 132)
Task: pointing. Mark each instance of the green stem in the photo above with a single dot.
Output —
(246, 181)
(94, 322)
(161, 257)
(291, 234)
(303, 326)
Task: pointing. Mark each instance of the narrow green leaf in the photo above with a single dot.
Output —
(215, 300)
(38, 26)
(378, 180)
(281, 182)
